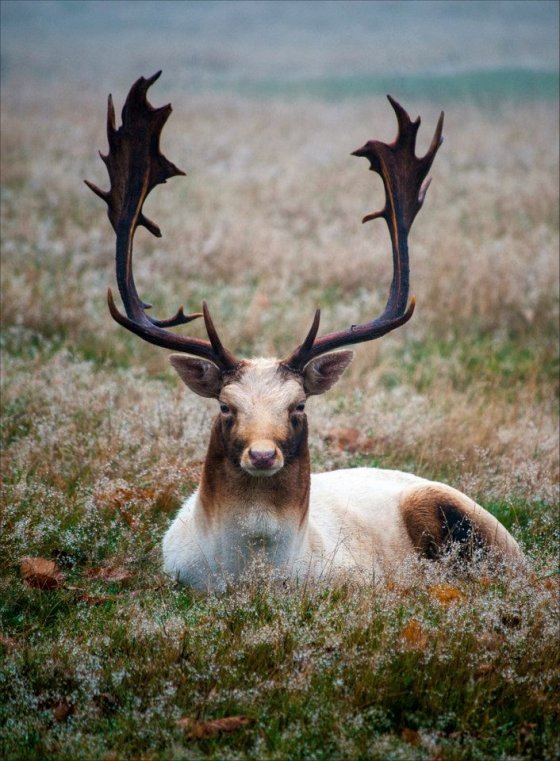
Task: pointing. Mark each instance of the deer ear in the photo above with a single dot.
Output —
(199, 375)
(323, 372)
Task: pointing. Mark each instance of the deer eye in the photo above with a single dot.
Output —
(224, 409)
(300, 407)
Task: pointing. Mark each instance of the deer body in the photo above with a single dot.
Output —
(357, 519)
(352, 520)
(305, 525)
(257, 496)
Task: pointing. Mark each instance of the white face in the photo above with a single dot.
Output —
(262, 417)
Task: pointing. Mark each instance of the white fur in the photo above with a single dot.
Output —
(354, 521)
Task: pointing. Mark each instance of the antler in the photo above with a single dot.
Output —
(136, 165)
(403, 177)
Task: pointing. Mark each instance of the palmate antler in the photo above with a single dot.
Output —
(403, 176)
(136, 165)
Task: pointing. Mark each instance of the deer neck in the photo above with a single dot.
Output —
(228, 495)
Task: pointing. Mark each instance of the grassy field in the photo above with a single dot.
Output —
(101, 443)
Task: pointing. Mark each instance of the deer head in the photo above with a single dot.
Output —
(261, 423)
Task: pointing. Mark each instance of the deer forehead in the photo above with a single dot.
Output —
(263, 386)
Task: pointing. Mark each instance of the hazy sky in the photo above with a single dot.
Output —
(206, 42)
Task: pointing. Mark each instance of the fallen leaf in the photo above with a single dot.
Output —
(197, 730)
(41, 573)
(414, 635)
(62, 711)
(410, 736)
(446, 594)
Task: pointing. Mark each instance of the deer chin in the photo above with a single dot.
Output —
(261, 472)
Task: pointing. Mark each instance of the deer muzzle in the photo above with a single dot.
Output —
(262, 458)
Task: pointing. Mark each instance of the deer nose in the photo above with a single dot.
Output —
(262, 458)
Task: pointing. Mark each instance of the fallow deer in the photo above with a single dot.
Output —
(257, 494)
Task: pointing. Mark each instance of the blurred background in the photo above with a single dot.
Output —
(333, 49)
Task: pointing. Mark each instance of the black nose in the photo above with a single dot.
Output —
(262, 458)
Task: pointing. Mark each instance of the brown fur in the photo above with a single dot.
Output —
(437, 517)
(225, 484)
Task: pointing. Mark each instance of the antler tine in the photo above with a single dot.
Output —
(437, 140)
(404, 180)
(224, 356)
(136, 165)
(299, 357)
(408, 129)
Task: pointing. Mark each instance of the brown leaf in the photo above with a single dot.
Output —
(414, 635)
(197, 730)
(41, 573)
(62, 711)
(410, 736)
(446, 594)
(112, 574)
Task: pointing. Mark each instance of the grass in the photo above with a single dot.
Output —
(100, 445)
(400, 674)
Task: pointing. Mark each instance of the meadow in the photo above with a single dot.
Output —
(102, 657)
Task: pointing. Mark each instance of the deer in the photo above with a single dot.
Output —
(257, 496)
